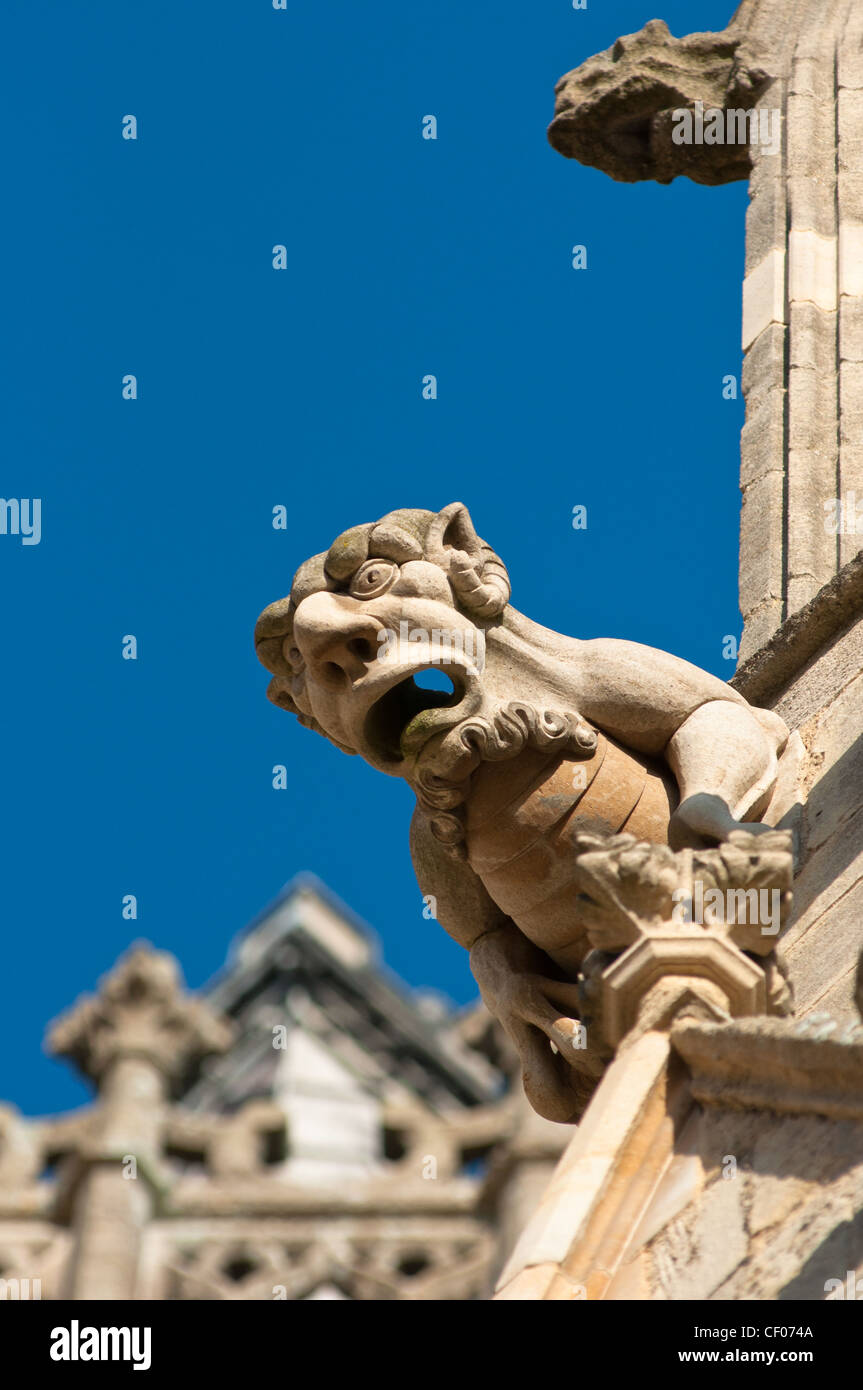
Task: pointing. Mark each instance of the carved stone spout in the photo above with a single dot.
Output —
(544, 751)
(616, 112)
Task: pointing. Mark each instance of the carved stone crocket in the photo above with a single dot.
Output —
(543, 739)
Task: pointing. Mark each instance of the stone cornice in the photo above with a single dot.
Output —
(811, 1066)
(802, 636)
(266, 1197)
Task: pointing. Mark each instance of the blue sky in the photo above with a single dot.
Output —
(303, 387)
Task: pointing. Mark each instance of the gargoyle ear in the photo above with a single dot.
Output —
(478, 577)
(452, 529)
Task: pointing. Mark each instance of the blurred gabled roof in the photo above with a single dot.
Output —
(308, 961)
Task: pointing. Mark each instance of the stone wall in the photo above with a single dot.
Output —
(811, 673)
(752, 1206)
(722, 1162)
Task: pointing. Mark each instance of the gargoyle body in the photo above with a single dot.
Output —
(543, 743)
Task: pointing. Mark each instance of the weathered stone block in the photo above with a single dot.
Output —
(850, 125)
(760, 625)
(699, 1250)
(766, 215)
(762, 438)
(851, 419)
(764, 367)
(812, 206)
(764, 295)
(851, 325)
(812, 340)
(810, 135)
(761, 574)
(829, 949)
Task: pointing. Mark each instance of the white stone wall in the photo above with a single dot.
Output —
(782, 1224)
(802, 443)
(825, 939)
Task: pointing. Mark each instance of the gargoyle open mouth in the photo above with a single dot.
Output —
(399, 717)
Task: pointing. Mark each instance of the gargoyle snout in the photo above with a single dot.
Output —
(336, 637)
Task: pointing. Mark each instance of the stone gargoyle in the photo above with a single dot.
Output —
(544, 743)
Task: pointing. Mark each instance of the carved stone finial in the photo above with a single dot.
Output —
(673, 931)
(140, 1011)
(616, 111)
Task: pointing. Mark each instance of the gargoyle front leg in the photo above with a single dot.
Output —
(725, 760)
(520, 986)
(537, 1010)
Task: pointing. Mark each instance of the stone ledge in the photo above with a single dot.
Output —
(270, 1197)
(802, 636)
(811, 1066)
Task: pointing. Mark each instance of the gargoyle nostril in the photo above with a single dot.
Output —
(362, 648)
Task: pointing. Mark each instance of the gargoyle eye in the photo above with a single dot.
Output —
(373, 578)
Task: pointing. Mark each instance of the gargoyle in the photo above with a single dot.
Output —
(543, 742)
(616, 112)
